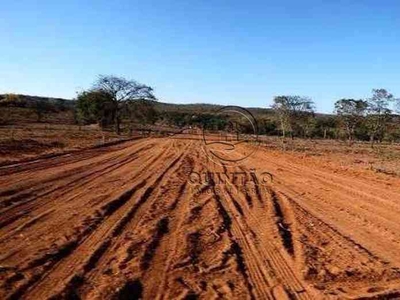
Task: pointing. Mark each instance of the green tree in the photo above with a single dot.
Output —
(351, 113)
(267, 126)
(325, 127)
(42, 107)
(95, 107)
(294, 112)
(378, 114)
(141, 111)
(122, 92)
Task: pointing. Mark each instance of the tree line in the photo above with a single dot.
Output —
(121, 104)
(360, 119)
(40, 106)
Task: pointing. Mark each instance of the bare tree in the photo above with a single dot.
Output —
(378, 113)
(293, 112)
(351, 113)
(122, 91)
(282, 109)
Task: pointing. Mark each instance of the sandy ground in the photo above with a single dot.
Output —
(157, 219)
(28, 141)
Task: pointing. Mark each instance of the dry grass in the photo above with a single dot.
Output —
(382, 158)
(25, 141)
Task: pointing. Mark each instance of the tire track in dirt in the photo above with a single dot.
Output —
(64, 159)
(96, 243)
(133, 226)
(89, 222)
(130, 223)
(40, 207)
(279, 278)
(77, 175)
(332, 213)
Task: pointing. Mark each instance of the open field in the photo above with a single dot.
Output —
(382, 158)
(32, 140)
(132, 221)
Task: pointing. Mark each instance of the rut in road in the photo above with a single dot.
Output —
(127, 221)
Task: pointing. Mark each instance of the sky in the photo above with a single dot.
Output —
(225, 52)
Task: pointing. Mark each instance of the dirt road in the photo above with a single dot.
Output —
(157, 219)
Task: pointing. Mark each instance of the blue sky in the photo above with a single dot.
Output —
(226, 52)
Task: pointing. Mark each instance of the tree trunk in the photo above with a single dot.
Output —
(117, 126)
(283, 128)
(372, 140)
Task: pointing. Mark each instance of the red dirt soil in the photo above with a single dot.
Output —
(130, 221)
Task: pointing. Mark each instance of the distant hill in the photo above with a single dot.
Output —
(204, 108)
(15, 109)
(69, 104)
(29, 100)
(161, 106)
(20, 109)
